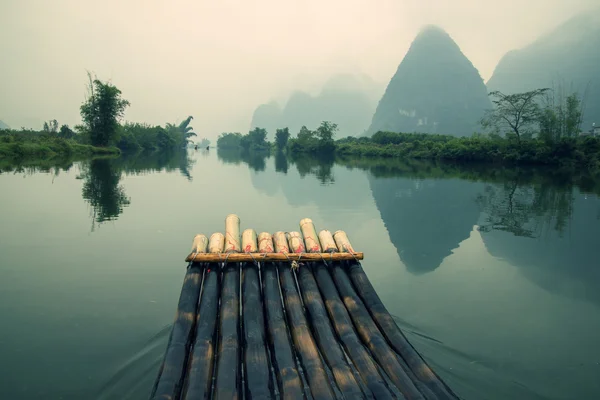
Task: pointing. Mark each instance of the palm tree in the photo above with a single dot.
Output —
(183, 131)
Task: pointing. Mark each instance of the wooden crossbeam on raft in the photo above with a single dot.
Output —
(272, 257)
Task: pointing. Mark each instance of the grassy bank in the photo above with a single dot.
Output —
(580, 152)
(15, 146)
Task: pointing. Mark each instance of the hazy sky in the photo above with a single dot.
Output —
(217, 60)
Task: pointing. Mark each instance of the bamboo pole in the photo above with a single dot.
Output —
(273, 257)
(257, 369)
(249, 241)
(372, 337)
(310, 235)
(323, 332)
(296, 244)
(232, 233)
(388, 327)
(342, 242)
(344, 328)
(265, 243)
(227, 371)
(284, 365)
(304, 343)
(215, 244)
(170, 380)
(199, 377)
(200, 244)
(327, 242)
(280, 241)
(394, 334)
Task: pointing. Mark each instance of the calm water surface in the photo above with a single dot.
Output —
(493, 275)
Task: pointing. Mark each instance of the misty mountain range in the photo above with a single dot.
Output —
(348, 100)
(3, 125)
(436, 89)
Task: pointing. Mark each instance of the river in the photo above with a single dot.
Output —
(492, 273)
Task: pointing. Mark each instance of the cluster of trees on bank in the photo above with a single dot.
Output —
(101, 130)
(319, 140)
(542, 126)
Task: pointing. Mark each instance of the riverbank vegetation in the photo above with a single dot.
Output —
(101, 131)
(540, 127)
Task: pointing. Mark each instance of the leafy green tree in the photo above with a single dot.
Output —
(101, 112)
(184, 130)
(66, 132)
(281, 138)
(325, 132)
(560, 116)
(51, 127)
(229, 140)
(256, 139)
(516, 113)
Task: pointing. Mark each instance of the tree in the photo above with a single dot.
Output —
(51, 126)
(560, 116)
(66, 132)
(281, 138)
(514, 112)
(256, 139)
(186, 130)
(229, 140)
(101, 112)
(326, 131)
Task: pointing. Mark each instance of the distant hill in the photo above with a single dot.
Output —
(568, 55)
(436, 89)
(345, 99)
(267, 116)
(3, 125)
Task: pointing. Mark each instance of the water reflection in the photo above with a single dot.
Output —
(281, 162)
(306, 164)
(426, 218)
(101, 189)
(255, 160)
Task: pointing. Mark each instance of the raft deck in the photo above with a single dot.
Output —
(286, 316)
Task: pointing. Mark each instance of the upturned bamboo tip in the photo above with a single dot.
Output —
(306, 221)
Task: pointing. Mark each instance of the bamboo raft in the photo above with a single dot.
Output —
(286, 316)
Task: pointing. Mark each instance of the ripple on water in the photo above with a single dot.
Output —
(134, 377)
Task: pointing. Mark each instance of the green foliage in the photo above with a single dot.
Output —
(514, 113)
(101, 112)
(229, 140)
(51, 127)
(583, 152)
(256, 139)
(66, 132)
(29, 143)
(143, 137)
(560, 116)
(281, 138)
(319, 141)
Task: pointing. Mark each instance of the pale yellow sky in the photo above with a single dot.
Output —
(217, 60)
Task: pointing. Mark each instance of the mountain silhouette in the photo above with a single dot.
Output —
(568, 56)
(347, 100)
(436, 89)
